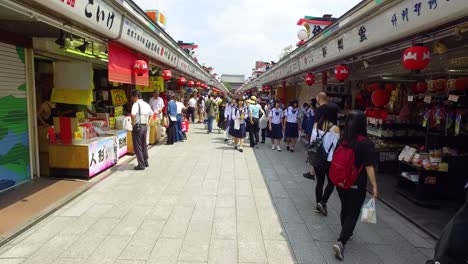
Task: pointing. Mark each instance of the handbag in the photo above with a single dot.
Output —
(317, 155)
(137, 126)
(164, 122)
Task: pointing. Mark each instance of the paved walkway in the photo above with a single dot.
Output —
(203, 202)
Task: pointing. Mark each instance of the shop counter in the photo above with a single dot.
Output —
(130, 149)
(83, 159)
(122, 141)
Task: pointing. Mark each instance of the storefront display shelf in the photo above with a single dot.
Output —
(413, 197)
(421, 168)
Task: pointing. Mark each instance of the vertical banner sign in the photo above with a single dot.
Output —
(73, 83)
(102, 155)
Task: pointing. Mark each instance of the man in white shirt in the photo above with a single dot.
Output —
(180, 107)
(157, 104)
(192, 103)
(141, 114)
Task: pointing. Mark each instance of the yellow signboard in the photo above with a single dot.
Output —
(118, 97)
(72, 96)
(155, 83)
(118, 111)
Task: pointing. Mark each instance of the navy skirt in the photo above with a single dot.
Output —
(309, 125)
(237, 133)
(276, 131)
(292, 130)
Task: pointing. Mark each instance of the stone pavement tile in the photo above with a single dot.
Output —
(210, 187)
(142, 243)
(126, 261)
(323, 231)
(11, 260)
(80, 225)
(277, 189)
(226, 200)
(250, 243)
(130, 224)
(355, 252)
(287, 210)
(189, 197)
(177, 224)
(166, 250)
(246, 209)
(79, 208)
(243, 188)
(109, 250)
(403, 250)
(279, 252)
(52, 249)
(389, 255)
(98, 210)
(270, 222)
(257, 180)
(428, 252)
(205, 208)
(197, 241)
(69, 261)
(224, 226)
(164, 207)
(226, 186)
(103, 226)
(303, 245)
(223, 251)
(118, 210)
(369, 233)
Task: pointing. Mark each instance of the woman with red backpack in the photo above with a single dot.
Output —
(353, 163)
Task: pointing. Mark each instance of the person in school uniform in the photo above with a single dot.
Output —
(227, 116)
(141, 113)
(276, 125)
(292, 114)
(239, 114)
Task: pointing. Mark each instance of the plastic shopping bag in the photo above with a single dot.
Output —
(368, 213)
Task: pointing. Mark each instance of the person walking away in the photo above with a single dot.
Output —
(221, 114)
(180, 108)
(305, 121)
(157, 104)
(324, 105)
(227, 115)
(172, 114)
(141, 113)
(291, 121)
(263, 124)
(276, 125)
(237, 128)
(201, 109)
(192, 104)
(254, 114)
(311, 120)
(211, 109)
(352, 199)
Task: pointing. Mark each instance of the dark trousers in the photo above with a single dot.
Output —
(179, 134)
(209, 123)
(171, 132)
(452, 246)
(253, 132)
(321, 173)
(264, 134)
(139, 144)
(351, 203)
(191, 114)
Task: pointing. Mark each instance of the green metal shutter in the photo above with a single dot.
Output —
(14, 141)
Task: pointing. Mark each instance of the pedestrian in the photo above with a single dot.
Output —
(180, 108)
(263, 125)
(192, 104)
(201, 109)
(157, 104)
(292, 119)
(211, 109)
(353, 198)
(276, 125)
(141, 113)
(227, 115)
(305, 121)
(324, 104)
(222, 105)
(172, 114)
(254, 114)
(237, 127)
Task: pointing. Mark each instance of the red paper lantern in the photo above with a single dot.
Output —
(182, 81)
(310, 79)
(416, 58)
(197, 84)
(190, 83)
(373, 86)
(166, 75)
(140, 67)
(341, 72)
(380, 98)
(420, 87)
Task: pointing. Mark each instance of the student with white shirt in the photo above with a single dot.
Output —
(180, 107)
(237, 129)
(157, 104)
(276, 125)
(330, 134)
(192, 104)
(227, 116)
(291, 124)
(141, 113)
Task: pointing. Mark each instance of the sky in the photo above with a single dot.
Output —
(233, 34)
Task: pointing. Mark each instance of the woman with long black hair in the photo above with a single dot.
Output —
(291, 124)
(352, 199)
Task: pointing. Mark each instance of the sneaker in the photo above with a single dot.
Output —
(292, 150)
(273, 147)
(339, 249)
(146, 164)
(317, 210)
(278, 148)
(241, 150)
(235, 147)
(323, 208)
(263, 142)
(308, 176)
(288, 148)
(226, 140)
(256, 146)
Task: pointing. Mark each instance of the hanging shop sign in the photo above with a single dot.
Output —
(118, 97)
(102, 155)
(137, 38)
(73, 83)
(156, 83)
(95, 14)
(122, 62)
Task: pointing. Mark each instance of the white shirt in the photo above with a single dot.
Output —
(192, 102)
(329, 139)
(180, 107)
(236, 113)
(276, 115)
(157, 104)
(227, 111)
(292, 114)
(142, 112)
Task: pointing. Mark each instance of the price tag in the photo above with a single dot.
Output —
(118, 111)
(427, 99)
(410, 98)
(453, 98)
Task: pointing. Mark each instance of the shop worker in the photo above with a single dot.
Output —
(157, 104)
(141, 113)
(46, 113)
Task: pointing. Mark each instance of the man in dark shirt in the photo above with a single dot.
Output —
(326, 106)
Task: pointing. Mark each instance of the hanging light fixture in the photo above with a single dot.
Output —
(61, 40)
(84, 46)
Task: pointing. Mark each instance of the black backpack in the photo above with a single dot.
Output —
(317, 155)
